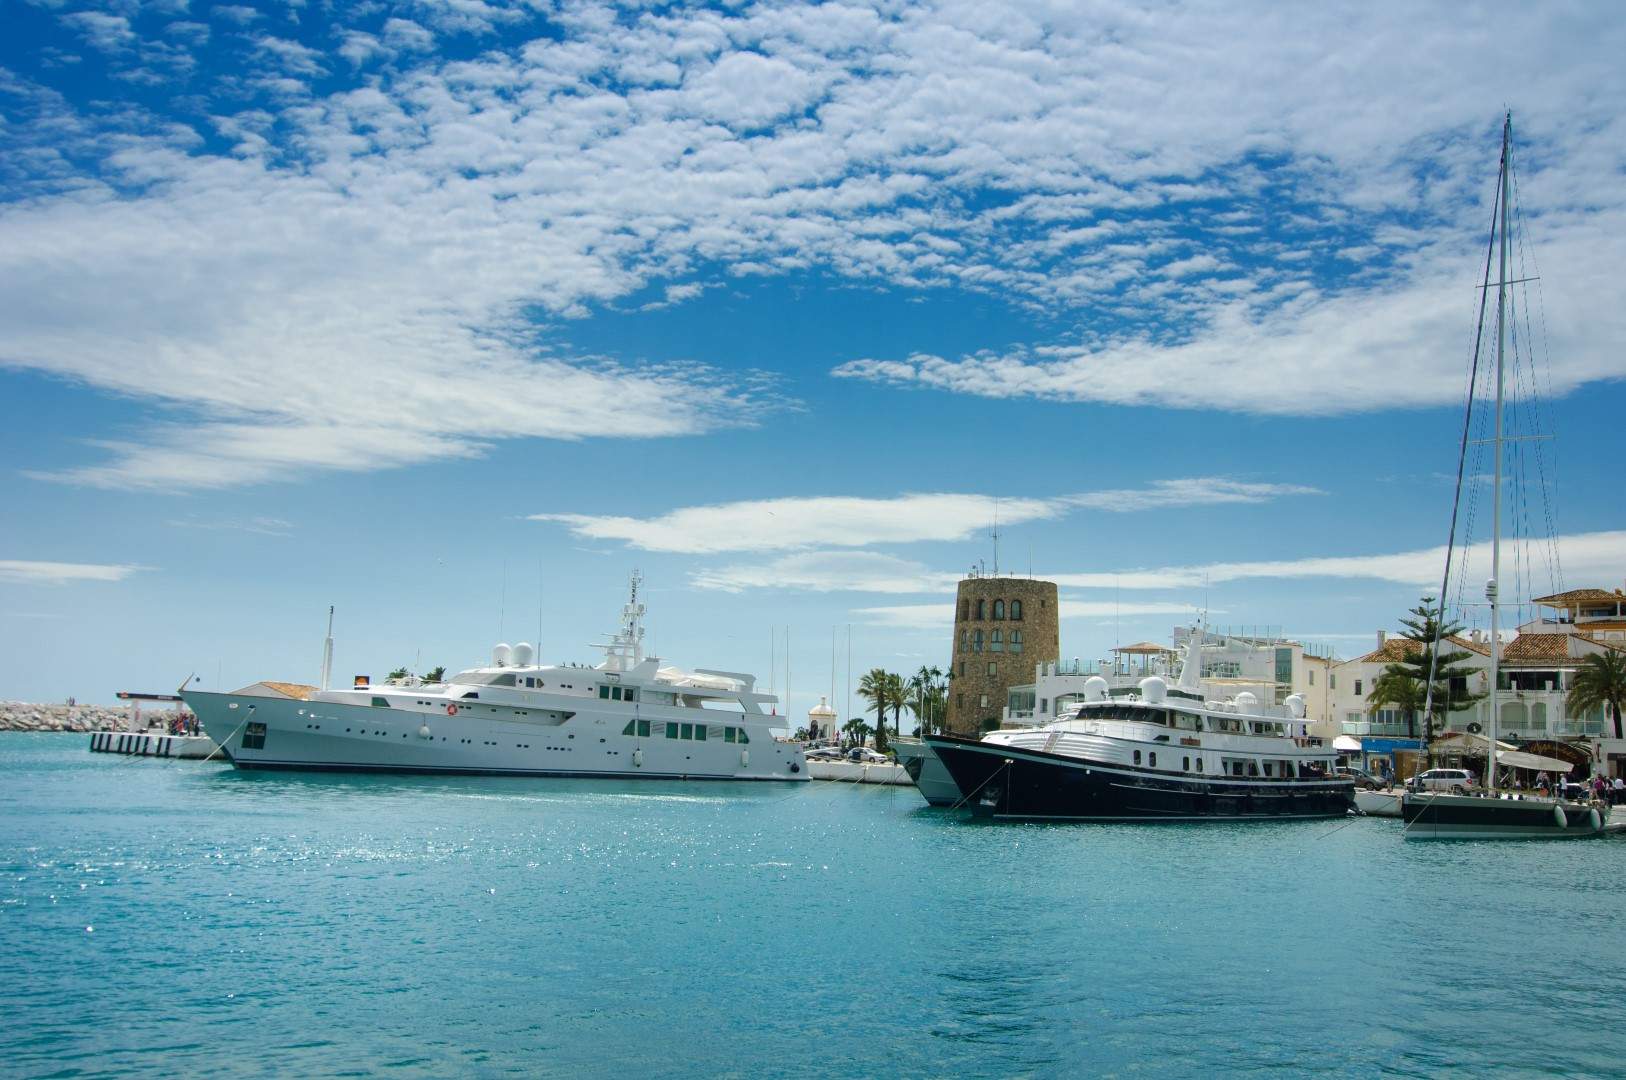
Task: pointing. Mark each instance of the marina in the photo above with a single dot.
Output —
(439, 925)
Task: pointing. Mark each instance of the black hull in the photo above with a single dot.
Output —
(1031, 785)
(1472, 817)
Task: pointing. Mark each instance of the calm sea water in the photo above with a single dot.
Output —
(172, 918)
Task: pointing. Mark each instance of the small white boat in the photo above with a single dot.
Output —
(1378, 803)
(856, 766)
(176, 737)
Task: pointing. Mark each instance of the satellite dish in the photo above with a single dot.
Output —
(1473, 729)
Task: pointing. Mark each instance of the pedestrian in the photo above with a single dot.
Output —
(1618, 790)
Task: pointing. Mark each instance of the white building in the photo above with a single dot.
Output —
(1536, 670)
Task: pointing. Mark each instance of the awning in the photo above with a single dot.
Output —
(1344, 742)
(1521, 760)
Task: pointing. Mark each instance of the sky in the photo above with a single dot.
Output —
(451, 315)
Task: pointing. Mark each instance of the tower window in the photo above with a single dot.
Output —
(1016, 609)
(999, 609)
(982, 609)
(976, 641)
(1016, 641)
(996, 642)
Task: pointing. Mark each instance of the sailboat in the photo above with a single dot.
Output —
(1490, 814)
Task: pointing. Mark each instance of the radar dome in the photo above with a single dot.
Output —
(1247, 703)
(1295, 706)
(1095, 688)
(522, 655)
(1153, 689)
(501, 655)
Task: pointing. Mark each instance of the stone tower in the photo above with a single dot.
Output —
(1004, 628)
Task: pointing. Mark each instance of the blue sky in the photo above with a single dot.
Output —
(450, 314)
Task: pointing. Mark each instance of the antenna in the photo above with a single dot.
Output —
(994, 533)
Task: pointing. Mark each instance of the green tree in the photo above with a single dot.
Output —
(398, 673)
(928, 699)
(1600, 682)
(436, 674)
(896, 693)
(1451, 693)
(1399, 689)
(876, 688)
(856, 729)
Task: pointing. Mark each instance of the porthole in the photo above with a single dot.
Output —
(1137, 757)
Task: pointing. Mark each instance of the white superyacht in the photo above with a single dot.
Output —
(628, 717)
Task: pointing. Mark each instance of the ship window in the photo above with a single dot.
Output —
(700, 733)
(1267, 768)
(1199, 764)
(1185, 763)
(634, 727)
(381, 703)
(1016, 609)
(1152, 758)
(728, 734)
(671, 731)
(1137, 757)
(254, 736)
(688, 732)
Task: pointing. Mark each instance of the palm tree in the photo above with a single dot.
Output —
(1399, 688)
(929, 698)
(896, 691)
(1600, 682)
(876, 688)
(856, 729)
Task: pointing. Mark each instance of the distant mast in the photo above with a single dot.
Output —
(327, 650)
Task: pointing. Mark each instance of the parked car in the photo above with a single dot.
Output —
(865, 756)
(1363, 779)
(1443, 780)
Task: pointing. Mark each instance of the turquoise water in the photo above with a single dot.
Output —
(172, 918)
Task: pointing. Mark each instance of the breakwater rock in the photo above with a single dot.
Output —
(21, 716)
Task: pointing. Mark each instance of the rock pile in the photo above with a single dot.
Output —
(20, 716)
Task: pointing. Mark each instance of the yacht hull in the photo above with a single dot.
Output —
(586, 739)
(1439, 816)
(1006, 782)
(931, 779)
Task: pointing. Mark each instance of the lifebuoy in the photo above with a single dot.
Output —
(451, 710)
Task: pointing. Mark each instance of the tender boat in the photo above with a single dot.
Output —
(628, 717)
(1152, 753)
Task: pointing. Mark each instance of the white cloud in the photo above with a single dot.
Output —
(381, 257)
(851, 521)
(21, 572)
(829, 571)
(791, 524)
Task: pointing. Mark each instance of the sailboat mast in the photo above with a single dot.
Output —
(1492, 589)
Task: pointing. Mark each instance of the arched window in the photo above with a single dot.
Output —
(964, 640)
(999, 609)
(976, 641)
(1016, 641)
(982, 609)
(965, 610)
(1016, 609)
(996, 642)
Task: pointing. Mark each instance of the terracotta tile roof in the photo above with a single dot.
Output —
(1575, 596)
(1396, 649)
(1537, 647)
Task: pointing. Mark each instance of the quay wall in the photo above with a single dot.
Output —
(21, 716)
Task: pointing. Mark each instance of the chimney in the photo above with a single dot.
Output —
(1383, 635)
